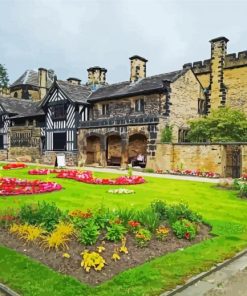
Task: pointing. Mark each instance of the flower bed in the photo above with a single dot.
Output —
(11, 166)
(87, 177)
(121, 191)
(195, 173)
(107, 241)
(13, 186)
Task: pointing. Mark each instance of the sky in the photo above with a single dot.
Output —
(70, 36)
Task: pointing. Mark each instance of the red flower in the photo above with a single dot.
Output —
(134, 224)
(187, 235)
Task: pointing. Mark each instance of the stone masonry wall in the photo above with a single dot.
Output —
(126, 106)
(205, 157)
(185, 93)
(49, 157)
(3, 154)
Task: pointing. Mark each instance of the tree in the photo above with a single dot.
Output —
(4, 79)
(166, 134)
(222, 125)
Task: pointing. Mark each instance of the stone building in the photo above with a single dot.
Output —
(32, 85)
(126, 118)
(97, 123)
(223, 76)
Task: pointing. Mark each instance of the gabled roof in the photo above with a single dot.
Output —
(75, 93)
(20, 108)
(127, 88)
(30, 77)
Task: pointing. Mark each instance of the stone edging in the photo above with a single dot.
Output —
(7, 291)
(197, 278)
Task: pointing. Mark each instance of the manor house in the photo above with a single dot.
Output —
(97, 123)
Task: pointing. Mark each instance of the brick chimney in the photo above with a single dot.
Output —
(42, 76)
(96, 76)
(217, 89)
(137, 68)
(74, 81)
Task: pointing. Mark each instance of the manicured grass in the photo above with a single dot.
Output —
(220, 208)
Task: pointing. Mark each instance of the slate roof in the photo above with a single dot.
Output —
(20, 108)
(30, 77)
(127, 88)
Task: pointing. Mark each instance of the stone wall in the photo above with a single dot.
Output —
(126, 106)
(24, 143)
(49, 157)
(3, 154)
(207, 157)
(185, 92)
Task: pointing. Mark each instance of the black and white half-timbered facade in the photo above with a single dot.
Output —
(64, 105)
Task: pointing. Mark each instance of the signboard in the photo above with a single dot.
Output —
(60, 160)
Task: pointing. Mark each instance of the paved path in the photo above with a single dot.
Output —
(231, 280)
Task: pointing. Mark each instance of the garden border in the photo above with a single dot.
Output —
(193, 280)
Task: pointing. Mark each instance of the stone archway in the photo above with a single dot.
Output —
(93, 150)
(114, 150)
(137, 145)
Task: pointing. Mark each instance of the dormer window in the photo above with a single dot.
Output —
(139, 105)
(105, 109)
(59, 112)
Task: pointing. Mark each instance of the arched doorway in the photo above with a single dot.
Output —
(137, 146)
(113, 150)
(93, 150)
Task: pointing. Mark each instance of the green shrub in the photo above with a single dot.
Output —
(166, 134)
(89, 234)
(160, 207)
(115, 232)
(184, 229)
(181, 211)
(126, 215)
(148, 218)
(243, 190)
(43, 214)
(103, 216)
(142, 237)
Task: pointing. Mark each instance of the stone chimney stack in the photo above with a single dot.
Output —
(96, 76)
(74, 81)
(103, 76)
(42, 76)
(137, 68)
(217, 89)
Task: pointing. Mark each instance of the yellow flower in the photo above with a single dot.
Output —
(66, 255)
(115, 257)
(124, 249)
(100, 249)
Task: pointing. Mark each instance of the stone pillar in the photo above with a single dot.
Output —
(217, 89)
(125, 153)
(103, 151)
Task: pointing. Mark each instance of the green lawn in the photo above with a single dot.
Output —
(220, 208)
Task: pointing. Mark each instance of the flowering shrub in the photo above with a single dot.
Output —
(81, 214)
(197, 173)
(13, 186)
(184, 229)
(39, 172)
(244, 177)
(162, 232)
(89, 234)
(121, 191)
(142, 237)
(11, 166)
(115, 232)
